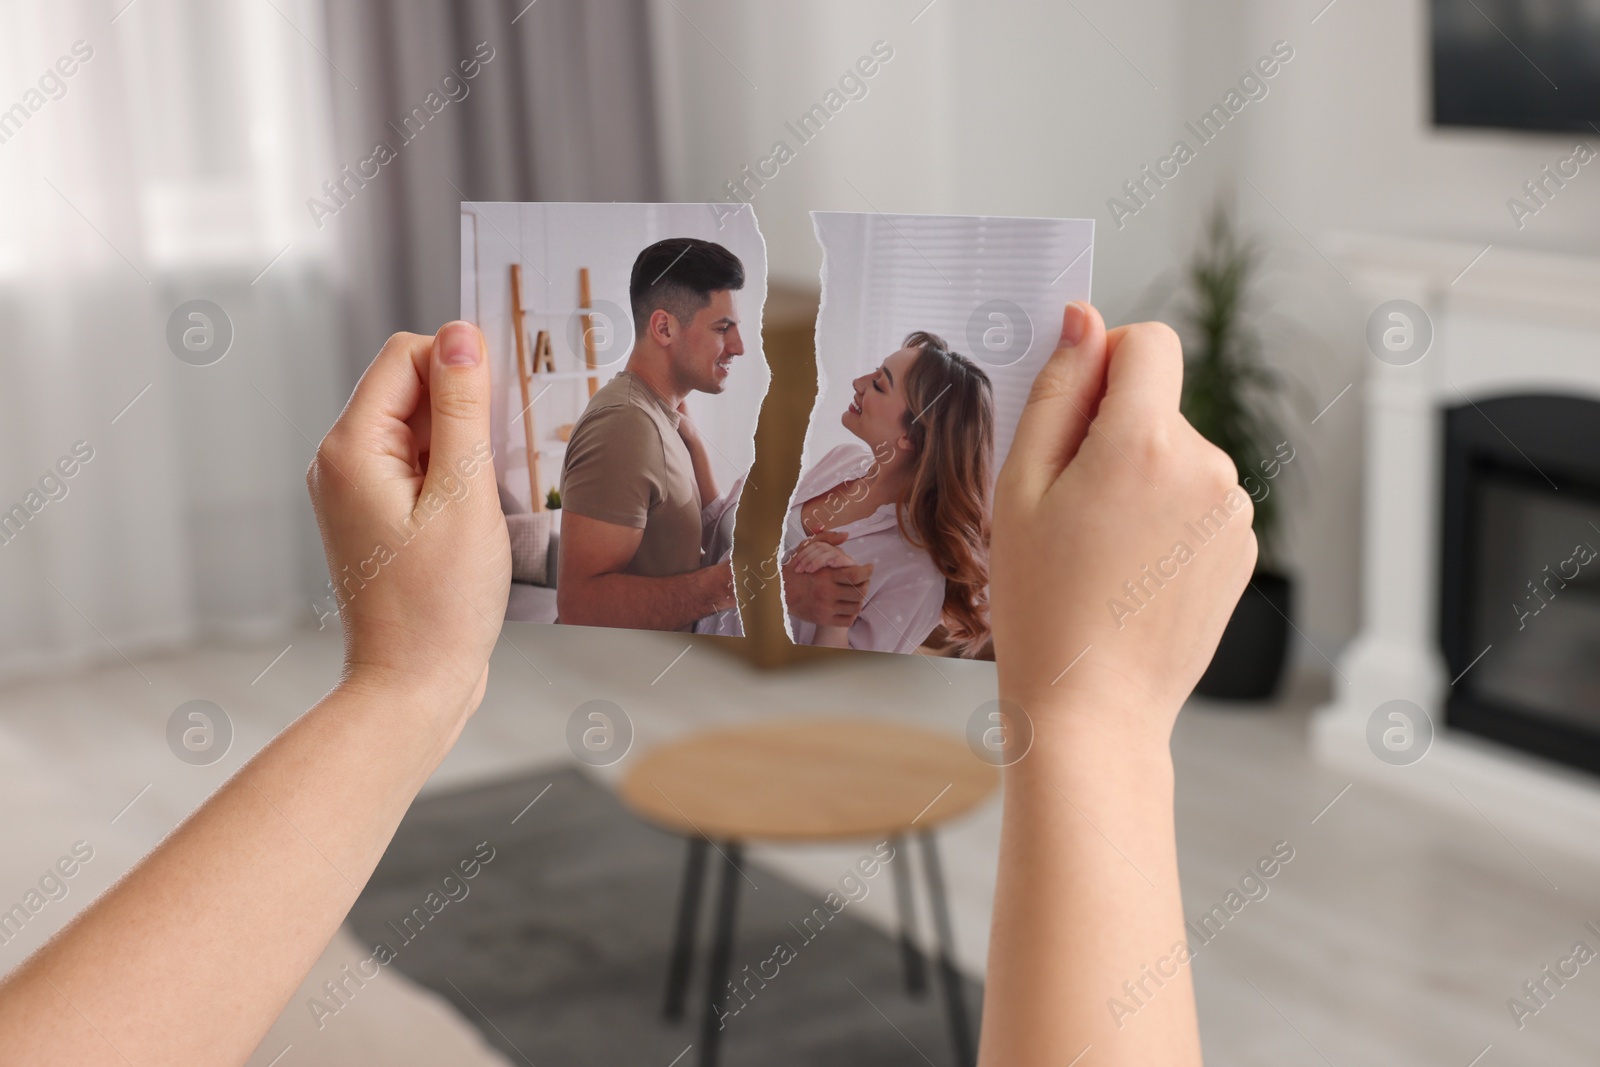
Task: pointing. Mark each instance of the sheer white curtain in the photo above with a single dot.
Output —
(154, 153)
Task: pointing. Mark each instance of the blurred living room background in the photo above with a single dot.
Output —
(154, 153)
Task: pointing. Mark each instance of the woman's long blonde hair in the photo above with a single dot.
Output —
(945, 510)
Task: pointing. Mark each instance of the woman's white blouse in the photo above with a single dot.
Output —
(905, 596)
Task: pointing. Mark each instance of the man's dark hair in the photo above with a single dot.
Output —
(679, 275)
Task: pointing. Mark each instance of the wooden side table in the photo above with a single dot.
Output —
(812, 781)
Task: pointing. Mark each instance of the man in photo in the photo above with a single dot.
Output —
(637, 475)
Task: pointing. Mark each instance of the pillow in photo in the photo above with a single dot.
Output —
(530, 546)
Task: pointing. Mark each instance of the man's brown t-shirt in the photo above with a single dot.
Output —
(627, 465)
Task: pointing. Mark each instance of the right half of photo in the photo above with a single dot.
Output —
(931, 331)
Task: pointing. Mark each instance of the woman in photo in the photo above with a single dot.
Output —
(912, 500)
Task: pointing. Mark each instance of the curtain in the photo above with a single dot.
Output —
(151, 156)
(155, 153)
(558, 107)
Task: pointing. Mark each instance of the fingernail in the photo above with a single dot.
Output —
(458, 347)
(1074, 324)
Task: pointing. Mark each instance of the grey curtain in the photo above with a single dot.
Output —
(560, 108)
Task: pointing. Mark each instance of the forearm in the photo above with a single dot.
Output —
(236, 904)
(639, 603)
(1088, 914)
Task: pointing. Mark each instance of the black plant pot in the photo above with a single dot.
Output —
(1249, 660)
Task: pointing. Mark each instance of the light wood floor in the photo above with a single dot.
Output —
(1395, 936)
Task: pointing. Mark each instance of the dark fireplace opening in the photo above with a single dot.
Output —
(1520, 588)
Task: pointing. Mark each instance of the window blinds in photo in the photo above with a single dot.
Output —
(933, 272)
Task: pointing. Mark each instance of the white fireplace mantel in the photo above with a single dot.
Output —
(1515, 322)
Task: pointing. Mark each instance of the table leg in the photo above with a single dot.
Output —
(682, 961)
(950, 978)
(900, 869)
(721, 955)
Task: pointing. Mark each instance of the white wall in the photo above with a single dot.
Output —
(1015, 107)
(1353, 148)
(1350, 147)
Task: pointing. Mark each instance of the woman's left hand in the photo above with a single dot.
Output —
(686, 427)
(404, 490)
(813, 555)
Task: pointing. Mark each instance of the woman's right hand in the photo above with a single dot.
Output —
(1100, 504)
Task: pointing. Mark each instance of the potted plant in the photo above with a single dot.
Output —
(1233, 398)
(552, 504)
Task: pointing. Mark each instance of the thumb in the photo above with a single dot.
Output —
(1062, 402)
(832, 537)
(458, 398)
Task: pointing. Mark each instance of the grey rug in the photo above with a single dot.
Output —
(557, 947)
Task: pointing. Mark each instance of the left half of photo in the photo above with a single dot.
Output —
(625, 348)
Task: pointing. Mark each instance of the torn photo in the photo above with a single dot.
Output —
(931, 332)
(625, 348)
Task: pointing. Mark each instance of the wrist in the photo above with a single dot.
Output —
(1079, 721)
(798, 596)
(411, 696)
(719, 579)
(1065, 760)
